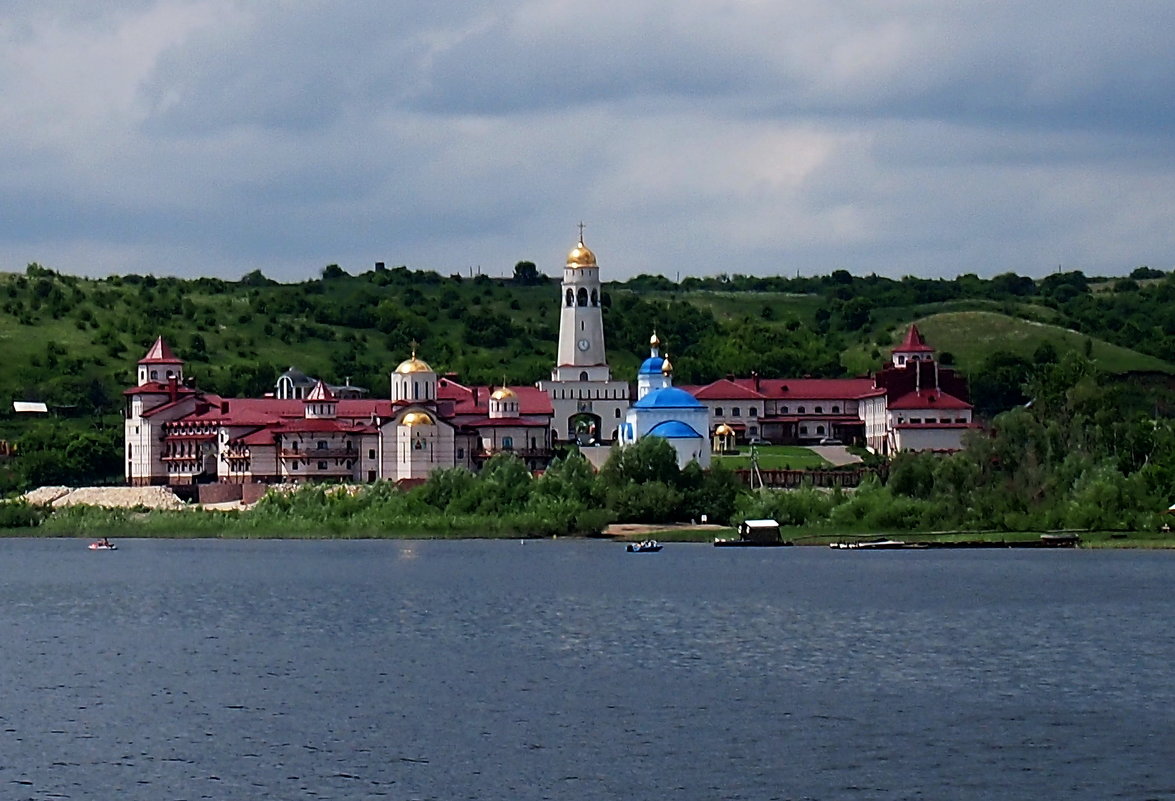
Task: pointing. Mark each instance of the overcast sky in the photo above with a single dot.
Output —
(692, 137)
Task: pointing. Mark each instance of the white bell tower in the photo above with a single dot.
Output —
(581, 323)
(588, 405)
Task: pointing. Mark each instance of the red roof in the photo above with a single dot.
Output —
(928, 399)
(321, 426)
(724, 389)
(498, 422)
(160, 354)
(748, 389)
(475, 400)
(913, 343)
(935, 425)
(321, 392)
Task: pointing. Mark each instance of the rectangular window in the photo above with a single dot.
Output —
(371, 453)
(322, 465)
(735, 412)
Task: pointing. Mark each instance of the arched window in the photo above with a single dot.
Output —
(836, 410)
(819, 429)
(582, 296)
(718, 411)
(570, 298)
(800, 410)
(415, 390)
(155, 373)
(617, 413)
(595, 298)
(322, 444)
(819, 410)
(583, 375)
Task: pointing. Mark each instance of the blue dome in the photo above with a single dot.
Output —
(668, 398)
(652, 366)
(673, 429)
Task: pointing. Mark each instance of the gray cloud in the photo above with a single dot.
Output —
(214, 137)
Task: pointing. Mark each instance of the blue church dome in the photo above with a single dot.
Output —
(673, 429)
(651, 366)
(668, 398)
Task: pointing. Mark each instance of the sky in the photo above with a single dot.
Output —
(690, 137)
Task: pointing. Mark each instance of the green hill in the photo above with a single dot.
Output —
(970, 336)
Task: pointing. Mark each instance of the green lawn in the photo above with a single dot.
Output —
(973, 335)
(773, 457)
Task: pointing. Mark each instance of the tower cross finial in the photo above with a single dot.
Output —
(581, 232)
(414, 345)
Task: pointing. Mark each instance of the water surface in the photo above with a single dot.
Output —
(199, 669)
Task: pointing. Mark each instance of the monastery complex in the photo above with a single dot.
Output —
(309, 430)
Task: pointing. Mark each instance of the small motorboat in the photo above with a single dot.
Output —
(103, 545)
(647, 546)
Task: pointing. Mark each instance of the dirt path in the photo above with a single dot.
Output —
(637, 531)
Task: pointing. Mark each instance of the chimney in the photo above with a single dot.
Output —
(173, 389)
(224, 407)
(755, 378)
(730, 376)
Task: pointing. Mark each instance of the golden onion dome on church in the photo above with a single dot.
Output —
(417, 419)
(653, 340)
(505, 393)
(413, 365)
(724, 430)
(666, 367)
(581, 256)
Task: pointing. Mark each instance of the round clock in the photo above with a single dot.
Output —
(584, 344)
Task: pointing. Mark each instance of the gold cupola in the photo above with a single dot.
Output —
(504, 393)
(654, 341)
(580, 256)
(413, 365)
(413, 419)
(666, 367)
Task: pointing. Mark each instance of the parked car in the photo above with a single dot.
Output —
(830, 441)
(758, 441)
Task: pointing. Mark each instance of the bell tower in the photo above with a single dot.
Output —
(588, 405)
(581, 323)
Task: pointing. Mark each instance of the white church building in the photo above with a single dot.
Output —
(662, 410)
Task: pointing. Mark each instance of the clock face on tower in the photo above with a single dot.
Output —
(584, 344)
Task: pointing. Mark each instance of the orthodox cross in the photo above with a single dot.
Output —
(581, 231)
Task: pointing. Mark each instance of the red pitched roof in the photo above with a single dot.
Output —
(724, 389)
(913, 343)
(927, 399)
(817, 388)
(160, 354)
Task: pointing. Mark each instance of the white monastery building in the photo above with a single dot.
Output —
(176, 434)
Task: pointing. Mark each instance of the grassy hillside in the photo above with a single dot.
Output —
(971, 335)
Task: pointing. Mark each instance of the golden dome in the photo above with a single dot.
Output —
(666, 367)
(417, 419)
(413, 365)
(581, 256)
(505, 393)
(653, 341)
(724, 430)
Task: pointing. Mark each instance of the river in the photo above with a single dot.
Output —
(570, 669)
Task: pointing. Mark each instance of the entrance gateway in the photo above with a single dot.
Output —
(588, 405)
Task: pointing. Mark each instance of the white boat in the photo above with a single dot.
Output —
(648, 546)
(103, 545)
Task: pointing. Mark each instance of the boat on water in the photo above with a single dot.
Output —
(647, 546)
(103, 545)
(755, 534)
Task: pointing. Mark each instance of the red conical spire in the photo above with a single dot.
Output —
(913, 343)
(160, 353)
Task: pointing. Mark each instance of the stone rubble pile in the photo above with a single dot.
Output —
(110, 497)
